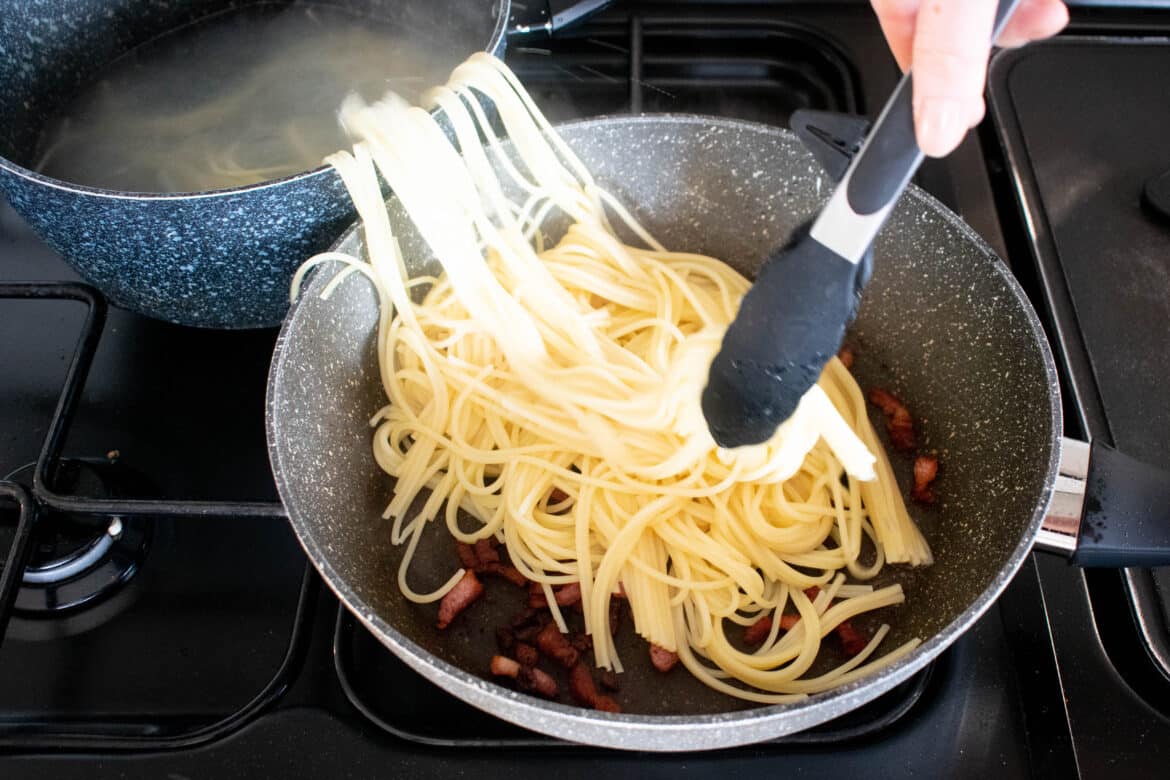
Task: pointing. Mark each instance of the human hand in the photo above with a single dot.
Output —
(946, 42)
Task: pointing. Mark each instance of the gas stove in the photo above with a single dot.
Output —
(163, 620)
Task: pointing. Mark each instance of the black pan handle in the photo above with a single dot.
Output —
(1108, 509)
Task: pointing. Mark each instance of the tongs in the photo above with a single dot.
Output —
(793, 319)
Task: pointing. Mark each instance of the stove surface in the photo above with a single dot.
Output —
(221, 655)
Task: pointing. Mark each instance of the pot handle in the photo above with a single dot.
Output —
(1108, 509)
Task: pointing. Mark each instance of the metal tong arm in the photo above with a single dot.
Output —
(880, 172)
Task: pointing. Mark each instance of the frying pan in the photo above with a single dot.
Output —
(943, 325)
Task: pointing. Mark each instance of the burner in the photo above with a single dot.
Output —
(78, 560)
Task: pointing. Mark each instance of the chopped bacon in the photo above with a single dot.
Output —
(609, 680)
(467, 590)
(556, 646)
(851, 638)
(510, 573)
(606, 704)
(925, 471)
(484, 558)
(526, 618)
(899, 423)
(485, 550)
(505, 667)
(584, 692)
(467, 556)
(812, 593)
(581, 685)
(845, 355)
(615, 616)
(788, 622)
(582, 642)
(526, 654)
(663, 659)
(556, 496)
(568, 595)
(505, 639)
(757, 632)
(528, 632)
(536, 681)
(536, 598)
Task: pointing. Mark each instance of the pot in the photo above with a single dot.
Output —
(219, 259)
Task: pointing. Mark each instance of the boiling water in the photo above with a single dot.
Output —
(237, 98)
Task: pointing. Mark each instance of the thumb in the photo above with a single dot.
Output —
(952, 40)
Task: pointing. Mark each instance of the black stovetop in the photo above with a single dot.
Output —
(222, 655)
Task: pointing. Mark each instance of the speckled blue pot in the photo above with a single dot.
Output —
(220, 259)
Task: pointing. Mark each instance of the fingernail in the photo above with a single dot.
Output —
(939, 125)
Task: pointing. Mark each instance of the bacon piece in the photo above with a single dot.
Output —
(788, 622)
(556, 496)
(526, 654)
(899, 423)
(527, 624)
(536, 599)
(925, 472)
(510, 573)
(467, 590)
(851, 639)
(528, 632)
(757, 632)
(556, 646)
(467, 556)
(663, 659)
(484, 558)
(845, 355)
(584, 692)
(615, 616)
(536, 681)
(609, 680)
(485, 550)
(606, 704)
(812, 593)
(505, 667)
(568, 595)
(581, 686)
(523, 619)
(582, 642)
(505, 639)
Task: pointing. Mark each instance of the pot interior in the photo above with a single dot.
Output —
(54, 50)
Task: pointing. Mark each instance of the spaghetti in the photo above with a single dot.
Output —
(552, 395)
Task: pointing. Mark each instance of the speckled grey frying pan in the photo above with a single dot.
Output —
(943, 325)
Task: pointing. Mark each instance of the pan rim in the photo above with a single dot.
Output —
(666, 732)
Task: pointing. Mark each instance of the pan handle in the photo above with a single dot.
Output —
(1108, 509)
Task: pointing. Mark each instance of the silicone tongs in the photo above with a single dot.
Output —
(793, 319)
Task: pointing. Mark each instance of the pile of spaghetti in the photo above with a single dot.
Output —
(552, 395)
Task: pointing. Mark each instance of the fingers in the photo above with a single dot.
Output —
(1032, 20)
(897, 18)
(951, 43)
(947, 41)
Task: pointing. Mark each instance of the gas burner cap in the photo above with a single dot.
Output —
(77, 561)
